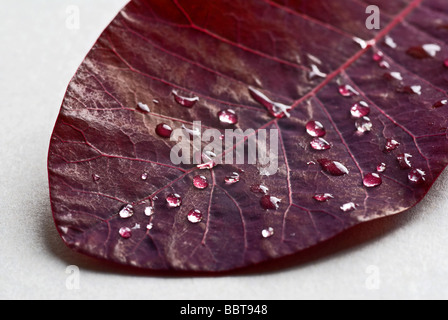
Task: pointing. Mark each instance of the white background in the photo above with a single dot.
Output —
(39, 53)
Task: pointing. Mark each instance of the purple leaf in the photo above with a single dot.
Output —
(294, 66)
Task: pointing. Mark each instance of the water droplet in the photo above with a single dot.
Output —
(149, 226)
(393, 76)
(348, 207)
(362, 43)
(125, 232)
(268, 233)
(360, 109)
(389, 41)
(208, 161)
(440, 103)
(445, 63)
(424, 51)
(372, 180)
(334, 168)
(195, 216)
(155, 101)
(96, 177)
(228, 117)
(127, 211)
(384, 64)
(149, 211)
(143, 107)
(391, 145)
(276, 109)
(347, 91)
(184, 101)
(410, 89)
(232, 179)
(417, 176)
(315, 129)
(311, 163)
(163, 130)
(173, 201)
(270, 203)
(378, 56)
(381, 168)
(315, 72)
(200, 182)
(364, 125)
(145, 176)
(323, 197)
(259, 188)
(320, 144)
(404, 160)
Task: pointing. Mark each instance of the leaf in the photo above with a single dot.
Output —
(377, 104)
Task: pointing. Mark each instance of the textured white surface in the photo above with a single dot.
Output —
(38, 56)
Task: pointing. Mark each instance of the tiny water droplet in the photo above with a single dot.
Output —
(315, 129)
(320, 144)
(364, 124)
(372, 180)
(384, 64)
(149, 211)
(389, 41)
(149, 226)
(348, 91)
(155, 101)
(143, 107)
(315, 72)
(334, 168)
(391, 145)
(228, 117)
(173, 201)
(276, 109)
(410, 89)
(259, 188)
(195, 216)
(269, 202)
(360, 109)
(145, 176)
(361, 42)
(311, 163)
(200, 182)
(381, 168)
(393, 76)
(323, 197)
(163, 130)
(184, 101)
(125, 232)
(440, 103)
(445, 63)
(208, 161)
(348, 207)
(232, 179)
(267, 233)
(378, 56)
(127, 211)
(425, 51)
(417, 176)
(404, 160)
(96, 177)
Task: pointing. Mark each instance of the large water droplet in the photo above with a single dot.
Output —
(315, 129)
(381, 168)
(200, 182)
(195, 216)
(372, 180)
(143, 107)
(348, 91)
(364, 124)
(417, 176)
(334, 168)
(127, 211)
(320, 144)
(323, 197)
(232, 179)
(440, 103)
(360, 109)
(228, 117)
(404, 160)
(163, 130)
(125, 232)
(348, 207)
(267, 233)
(259, 188)
(173, 201)
(276, 109)
(184, 101)
(391, 145)
(269, 202)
